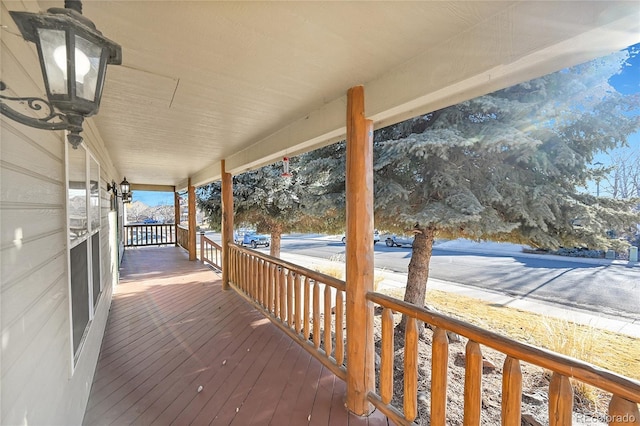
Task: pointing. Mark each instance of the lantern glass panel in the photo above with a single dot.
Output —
(88, 57)
(54, 54)
(124, 186)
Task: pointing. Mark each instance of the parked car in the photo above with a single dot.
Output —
(254, 240)
(376, 237)
(399, 240)
(238, 234)
(149, 221)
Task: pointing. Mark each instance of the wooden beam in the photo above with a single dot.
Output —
(192, 222)
(227, 223)
(158, 188)
(359, 263)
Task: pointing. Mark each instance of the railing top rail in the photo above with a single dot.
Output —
(213, 243)
(314, 275)
(186, 228)
(138, 225)
(570, 367)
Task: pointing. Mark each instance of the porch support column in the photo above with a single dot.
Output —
(227, 223)
(176, 208)
(192, 222)
(359, 263)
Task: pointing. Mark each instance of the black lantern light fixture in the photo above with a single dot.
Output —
(73, 56)
(125, 189)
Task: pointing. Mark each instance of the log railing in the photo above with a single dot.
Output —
(148, 235)
(182, 236)
(309, 307)
(210, 252)
(623, 408)
(305, 304)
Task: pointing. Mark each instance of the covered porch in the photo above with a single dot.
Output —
(172, 329)
(205, 92)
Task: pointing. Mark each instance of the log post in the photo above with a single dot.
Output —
(192, 222)
(176, 212)
(359, 262)
(227, 223)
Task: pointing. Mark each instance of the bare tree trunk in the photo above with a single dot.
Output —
(416, 289)
(276, 236)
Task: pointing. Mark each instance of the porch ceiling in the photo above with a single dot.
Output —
(249, 82)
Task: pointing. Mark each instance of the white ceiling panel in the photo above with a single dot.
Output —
(248, 82)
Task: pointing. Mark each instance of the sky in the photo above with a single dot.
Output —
(627, 82)
(153, 198)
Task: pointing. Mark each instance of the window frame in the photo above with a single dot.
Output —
(93, 218)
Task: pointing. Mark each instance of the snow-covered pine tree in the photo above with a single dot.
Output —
(506, 166)
(265, 199)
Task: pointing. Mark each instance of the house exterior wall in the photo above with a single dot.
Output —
(41, 381)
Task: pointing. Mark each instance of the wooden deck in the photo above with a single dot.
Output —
(172, 329)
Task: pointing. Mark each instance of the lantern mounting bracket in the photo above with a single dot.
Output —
(70, 122)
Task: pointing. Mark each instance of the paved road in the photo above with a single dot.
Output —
(612, 289)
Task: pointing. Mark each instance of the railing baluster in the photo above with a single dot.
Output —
(245, 271)
(276, 291)
(233, 259)
(290, 298)
(269, 289)
(386, 357)
(307, 294)
(339, 328)
(511, 392)
(328, 347)
(264, 282)
(298, 303)
(439, 370)
(560, 400)
(472, 384)
(623, 412)
(316, 314)
(255, 278)
(257, 262)
(283, 295)
(251, 282)
(411, 369)
(203, 249)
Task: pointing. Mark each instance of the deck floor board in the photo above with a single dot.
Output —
(172, 329)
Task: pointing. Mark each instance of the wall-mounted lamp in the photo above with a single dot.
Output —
(73, 56)
(125, 189)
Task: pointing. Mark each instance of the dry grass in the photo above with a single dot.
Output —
(616, 352)
(337, 271)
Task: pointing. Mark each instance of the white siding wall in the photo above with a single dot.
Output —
(38, 384)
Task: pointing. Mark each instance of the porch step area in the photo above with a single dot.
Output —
(179, 350)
